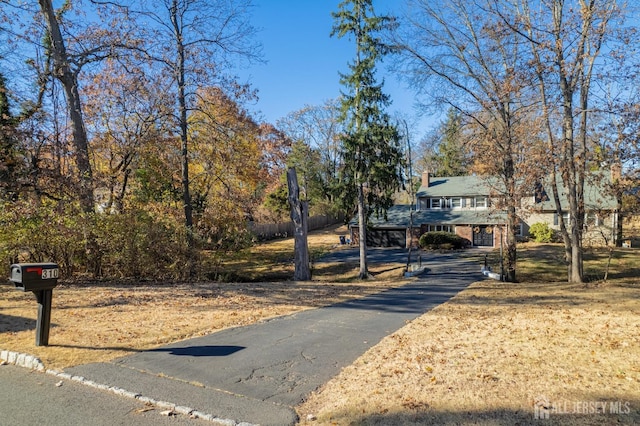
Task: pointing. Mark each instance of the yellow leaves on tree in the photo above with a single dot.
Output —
(225, 164)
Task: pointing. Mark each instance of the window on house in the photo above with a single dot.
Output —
(456, 203)
(591, 219)
(519, 230)
(565, 217)
(438, 228)
(480, 202)
(436, 203)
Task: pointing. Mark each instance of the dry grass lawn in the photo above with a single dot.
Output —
(486, 357)
(495, 351)
(101, 321)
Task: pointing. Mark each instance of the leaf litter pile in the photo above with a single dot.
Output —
(492, 354)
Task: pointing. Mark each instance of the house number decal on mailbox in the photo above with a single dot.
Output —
(46, 274)
(49, 273)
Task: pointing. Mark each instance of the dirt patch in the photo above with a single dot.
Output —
(494, 353)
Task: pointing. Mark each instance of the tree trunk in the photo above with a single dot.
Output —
(299, 212)
(184, 138)
(363, 274)
(512, 196)
(69, 80)
(619, 218)
(577, 271)
(512, 254)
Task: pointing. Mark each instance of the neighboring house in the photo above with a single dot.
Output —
(463, 205)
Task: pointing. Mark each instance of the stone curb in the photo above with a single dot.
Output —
(21, 360)
(34, 363)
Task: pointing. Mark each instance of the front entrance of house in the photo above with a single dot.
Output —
(483, 236)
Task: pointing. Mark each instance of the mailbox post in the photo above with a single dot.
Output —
(39, 278)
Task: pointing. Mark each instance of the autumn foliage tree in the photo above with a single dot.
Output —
(105, 83)
(192, 42)
(126, 111)
(226, 163)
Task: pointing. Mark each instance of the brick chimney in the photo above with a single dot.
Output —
(616, 172)
(425, 179)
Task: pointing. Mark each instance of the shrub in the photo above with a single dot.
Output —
(443, 240)
(38, 233)
(139, 244)
(541, 232)
(136, 244)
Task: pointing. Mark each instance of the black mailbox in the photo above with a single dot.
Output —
(34, 276)
(40, 278)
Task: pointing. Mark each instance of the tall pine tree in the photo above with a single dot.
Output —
(371, 153)
(450, 155)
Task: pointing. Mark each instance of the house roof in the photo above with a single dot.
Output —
(398, 216)
(455, 186)
(597, 196)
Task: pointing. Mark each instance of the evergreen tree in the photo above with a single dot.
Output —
(371, 153)
(450, 156)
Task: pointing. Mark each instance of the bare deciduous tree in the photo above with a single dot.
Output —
(474, 67)
(566, 41)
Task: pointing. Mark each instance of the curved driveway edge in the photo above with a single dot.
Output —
(259, 373)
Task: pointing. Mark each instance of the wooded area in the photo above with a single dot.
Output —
(128, 151)
(131, 157)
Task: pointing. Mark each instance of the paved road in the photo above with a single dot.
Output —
(258, 373)
(32, 398)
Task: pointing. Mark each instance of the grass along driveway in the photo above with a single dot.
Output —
(93, 322)
(495, 351)
(486, 357)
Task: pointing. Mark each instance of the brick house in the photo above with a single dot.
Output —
(463, 205)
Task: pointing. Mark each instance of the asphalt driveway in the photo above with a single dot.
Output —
(374, 255)
(259, 373)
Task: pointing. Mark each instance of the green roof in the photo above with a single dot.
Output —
(455, 186)
(597, 194)
(398, 216)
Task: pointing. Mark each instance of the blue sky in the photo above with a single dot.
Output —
(303, 61)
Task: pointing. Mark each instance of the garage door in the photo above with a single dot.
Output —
(386, 238)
